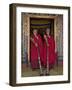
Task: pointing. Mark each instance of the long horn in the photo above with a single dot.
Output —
(47, 68)
(39, 61)
(47, 63)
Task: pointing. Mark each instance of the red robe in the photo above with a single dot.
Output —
(34, 51)
(51, 52)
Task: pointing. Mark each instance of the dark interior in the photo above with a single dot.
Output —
(41, 24)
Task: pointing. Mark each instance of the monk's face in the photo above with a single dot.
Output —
(35, 31)
(47, 31)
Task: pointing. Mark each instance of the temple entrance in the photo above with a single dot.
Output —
(41, 24)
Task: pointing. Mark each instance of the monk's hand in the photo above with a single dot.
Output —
(45, 37)
(36, 44)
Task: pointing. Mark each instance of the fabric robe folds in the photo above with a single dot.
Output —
(34, 51)
(51, 52)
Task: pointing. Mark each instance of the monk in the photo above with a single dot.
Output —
(36, 49)
(49, 49)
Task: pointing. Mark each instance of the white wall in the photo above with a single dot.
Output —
(4, 45)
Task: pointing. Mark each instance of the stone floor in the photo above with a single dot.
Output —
(28, 72)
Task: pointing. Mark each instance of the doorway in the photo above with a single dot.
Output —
(41, 24)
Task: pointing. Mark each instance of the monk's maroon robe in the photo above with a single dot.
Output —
(34, 51)
(51, 51)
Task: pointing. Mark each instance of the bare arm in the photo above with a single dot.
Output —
(46, 39)
(34, 42)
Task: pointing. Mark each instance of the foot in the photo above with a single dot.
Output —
(47, 74)
(41, 74)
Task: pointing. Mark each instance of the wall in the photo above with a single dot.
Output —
(59, 35)
(24, 39)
